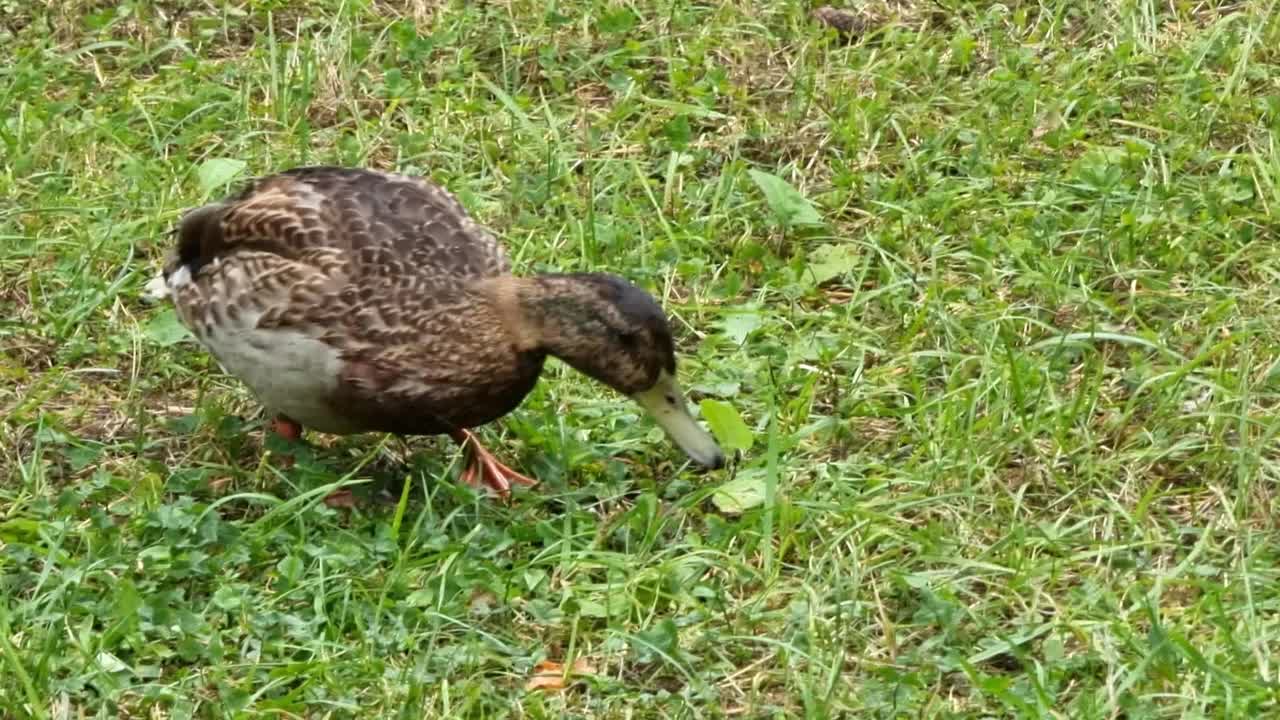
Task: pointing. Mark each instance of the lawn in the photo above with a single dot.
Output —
(983, 296)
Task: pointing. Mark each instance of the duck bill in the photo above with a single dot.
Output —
(666, 403)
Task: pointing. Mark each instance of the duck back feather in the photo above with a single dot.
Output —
(346, 299)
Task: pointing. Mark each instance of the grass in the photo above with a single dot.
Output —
(1012, 401)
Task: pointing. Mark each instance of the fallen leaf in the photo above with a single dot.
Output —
(550, 675)
(718, 388)
(420, 598)
(216, 172)
(737, 326)
(660, 642)
(340, 499)
(741, 493)
(219, 485)
(165, 329)
(727, 425)
(290, 568)
(828, 262)
(787, 203)
(111, 663)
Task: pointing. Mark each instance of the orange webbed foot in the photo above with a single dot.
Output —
(484, 470)
(288, 429)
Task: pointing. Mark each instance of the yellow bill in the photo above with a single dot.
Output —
(667, 404)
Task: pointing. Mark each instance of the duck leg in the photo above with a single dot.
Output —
(484, 470)
(288, 429)
(291, 430)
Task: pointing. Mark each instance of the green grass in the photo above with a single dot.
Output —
(1013, 401)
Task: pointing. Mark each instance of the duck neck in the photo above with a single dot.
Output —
(570, 317)
(543, 313)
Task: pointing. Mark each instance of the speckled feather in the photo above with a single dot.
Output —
(381, 268)
(352, 300)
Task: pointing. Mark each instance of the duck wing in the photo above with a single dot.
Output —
(380, 225)
(337, 295)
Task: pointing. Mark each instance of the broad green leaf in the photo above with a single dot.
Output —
(617, 22)
(1053, 648)
(727, 425)
(828, 262)
(742, 493)
(534, 577)
(127, 600)
(420, 598)
(659, 642)
(165, 329)
(592, 609)
(214, 173)
(20, 530)
(290, 568)
(678, 131)
(790, 207)
(111, 663)
(80, 456)
(228, 597)
(719, 388)
(737, 326)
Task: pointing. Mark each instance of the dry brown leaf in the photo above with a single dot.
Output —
(1048, 121)
(550, 675)
(219, 485)
(848, 24)
(340, 499)
(482, 601)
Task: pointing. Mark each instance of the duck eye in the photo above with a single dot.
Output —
(671, 400)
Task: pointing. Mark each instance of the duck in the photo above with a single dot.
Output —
(352, 300)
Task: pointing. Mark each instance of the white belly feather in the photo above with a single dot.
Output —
(289, 371)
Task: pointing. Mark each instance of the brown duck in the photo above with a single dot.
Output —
(352, 301)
